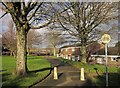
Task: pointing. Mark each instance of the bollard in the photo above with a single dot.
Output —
(55, 73)
(82, 77)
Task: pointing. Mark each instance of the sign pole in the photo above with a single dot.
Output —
(106, 65)
(106, 39)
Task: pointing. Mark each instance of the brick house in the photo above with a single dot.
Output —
(71, 53)
(113, 55)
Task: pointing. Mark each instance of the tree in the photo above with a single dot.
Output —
(93, 48)
(54, 38)
(23, 16)
(33, 38)
(9, 38)
(83, 18)
(117, 44)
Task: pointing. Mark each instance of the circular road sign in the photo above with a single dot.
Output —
(106, 38)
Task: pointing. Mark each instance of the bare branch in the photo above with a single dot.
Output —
(3, 15)
(41, 26)
(35, 11)
(4, 5)
(30, 7)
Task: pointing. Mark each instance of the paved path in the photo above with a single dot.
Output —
(67, 76)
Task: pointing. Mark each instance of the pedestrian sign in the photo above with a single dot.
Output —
(106, 38)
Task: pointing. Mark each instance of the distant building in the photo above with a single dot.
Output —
(113, 55)
(5, 50)
(96, 52)
(42, 51)
(73, 52)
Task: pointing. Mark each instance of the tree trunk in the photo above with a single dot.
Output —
(83, 53)
(14, 54)
(21, 58)
(28, 51)
(88, 56)
(54, 51)
(11, 53)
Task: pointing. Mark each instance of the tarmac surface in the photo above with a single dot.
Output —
(67, 76)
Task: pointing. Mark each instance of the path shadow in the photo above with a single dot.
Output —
(5, 76)
(7, 82)
(113, 79)
(2, 70)
(43, 69)
(63, 64)
(88, 82)
(59, 75)
(97, 71)
(14, 82)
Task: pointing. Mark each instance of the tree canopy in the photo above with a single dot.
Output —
(82, 20)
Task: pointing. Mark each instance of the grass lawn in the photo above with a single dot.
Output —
(38, 66)
(97, 73)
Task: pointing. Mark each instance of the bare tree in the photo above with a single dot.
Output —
(34, 38)
(25, 15)
(54, 38)
(83, 18)
(9, 38)
(93, 48)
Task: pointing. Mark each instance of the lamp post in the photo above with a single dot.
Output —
(106, 39)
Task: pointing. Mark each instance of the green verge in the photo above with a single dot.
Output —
(38, 67)
(97, 72)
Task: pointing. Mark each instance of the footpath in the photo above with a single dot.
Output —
(67, 76)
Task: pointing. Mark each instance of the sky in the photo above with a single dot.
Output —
(4, 22)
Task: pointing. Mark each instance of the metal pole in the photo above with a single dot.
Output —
(106, 65)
